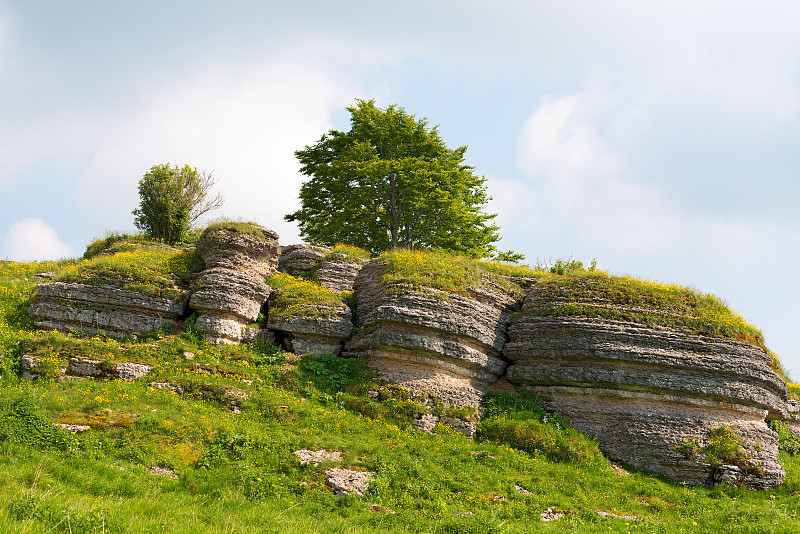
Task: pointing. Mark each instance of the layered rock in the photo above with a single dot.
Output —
(314, 335)
(299, 259)
(103, 309)
(232, 288)
(431, 340)
(337, 272)
(653, 397)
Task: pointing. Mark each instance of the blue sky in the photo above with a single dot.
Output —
(660, 138)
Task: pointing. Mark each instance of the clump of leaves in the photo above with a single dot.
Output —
(722, 446)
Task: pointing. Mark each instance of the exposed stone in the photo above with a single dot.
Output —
(347, 481)
(427, 422)
(317, 457)
(551, 515)
(126, 371)
(645, 392)
(28, 366)
(429, 340)
(102, 309)
(75, 429)
(234, 251)
(298, 259)
(605, 515)
(167, 386)
(337, 273)
(232, 288)
(162, 471)
(314, 335)
(522, 491)
(466, 428)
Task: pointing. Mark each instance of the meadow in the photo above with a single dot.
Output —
(236, 472)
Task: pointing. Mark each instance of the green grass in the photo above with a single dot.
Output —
(146, 268)
(237, 227)
(237, 473)
(299, 297)
(351, 253)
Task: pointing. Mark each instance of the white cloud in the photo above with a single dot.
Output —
(33, 240)
(243, 124)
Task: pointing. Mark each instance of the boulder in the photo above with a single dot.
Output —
(337, 273)
(231, 288)
(299, 259)
(314, 335)
(103, 309)
(430, 340)
(654, 397)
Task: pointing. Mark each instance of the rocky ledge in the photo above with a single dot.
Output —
(232, 288)
(103, 309)
(430, 340)
(655, 398)
(313, 335)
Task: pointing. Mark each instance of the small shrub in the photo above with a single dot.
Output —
(788, 441)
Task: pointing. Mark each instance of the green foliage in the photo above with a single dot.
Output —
(23, 421)
(509, 256)
(389, 182)
(107, 244)
(788, 441)
(351, 254)
(721, 446)
(171, 199)
(298, 297)
(517, 420)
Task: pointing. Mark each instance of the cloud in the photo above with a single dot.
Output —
(33, 240)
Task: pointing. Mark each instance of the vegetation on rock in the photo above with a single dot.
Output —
(298, 297)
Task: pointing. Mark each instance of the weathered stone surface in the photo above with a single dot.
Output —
(102, 309)
(337, 274)
(644, 392)
(232, 288)
(254, 256)
(126, 371)
(429, 340)
(347, 481)
(29, 367)
(314, 335)
(315, 458)
(298, 259)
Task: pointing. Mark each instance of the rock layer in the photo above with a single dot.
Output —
(431, 340)
(337, 273)
(314, 335)
(647, 393)
(232, 287)
(299, 259)
(102, 309)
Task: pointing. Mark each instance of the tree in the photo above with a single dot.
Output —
(392, 182)
(172, 198)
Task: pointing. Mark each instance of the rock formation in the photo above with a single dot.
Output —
(232, 287)
(103, 309)
(653, 397)
(431, 340)
(337, 272)
(314, 335)
(299, 259)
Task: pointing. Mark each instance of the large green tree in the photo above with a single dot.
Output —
(390, 181)
(172, 198)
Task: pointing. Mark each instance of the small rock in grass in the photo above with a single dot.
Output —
(317, 457)
(347, 481)
(162, 471)
(521, 490)
(551, 515)
(606, 515)
(73, 428)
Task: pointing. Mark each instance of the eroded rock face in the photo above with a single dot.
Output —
(300, 258)
(430, 340)
(102, 309)
(314, 335)
(337, 273)
(232, 288)
(647, 394)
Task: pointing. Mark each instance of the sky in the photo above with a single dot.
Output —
(659, 138)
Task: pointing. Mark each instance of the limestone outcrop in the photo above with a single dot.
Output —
(431, 340)
(103, 309)
(299, 259)
(654, 397)
(232, 287)
(314, 335)
(337, 272)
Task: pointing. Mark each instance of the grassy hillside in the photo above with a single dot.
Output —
(236, 472)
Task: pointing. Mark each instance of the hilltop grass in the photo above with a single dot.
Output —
(237, 227)
(299, 297)
(237, 473)
(155, 270)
